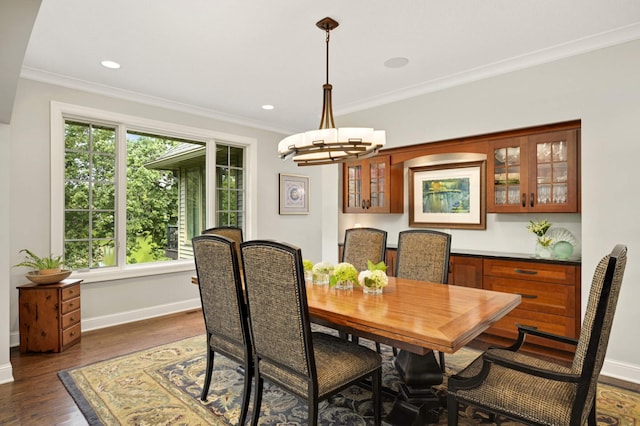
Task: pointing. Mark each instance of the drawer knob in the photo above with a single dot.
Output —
(525, 271)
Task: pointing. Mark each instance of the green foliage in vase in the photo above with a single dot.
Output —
(36, 262)
(307, 264)
(343, 272)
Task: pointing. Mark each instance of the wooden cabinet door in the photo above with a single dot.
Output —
(536, 173)
(367, 186)
(465, 271)
(553, 172)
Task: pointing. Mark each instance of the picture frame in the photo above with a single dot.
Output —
(448, 196)
(294, 194)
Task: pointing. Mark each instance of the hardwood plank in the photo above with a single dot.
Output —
(37, 397)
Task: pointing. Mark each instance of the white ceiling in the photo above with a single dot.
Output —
(226, 58)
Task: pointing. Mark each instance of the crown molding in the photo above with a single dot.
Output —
(100, 89)
(539, 57)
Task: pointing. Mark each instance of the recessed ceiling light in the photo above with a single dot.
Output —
(398, 62)
(268, 107)
(110, 64)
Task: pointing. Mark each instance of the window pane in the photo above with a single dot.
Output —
(76, 254)
(104, 225)
(236, 156)
(76, 224)
(222, 155)
(76, 136)
(76, 195)
(153, 162)
(104, 168)
(77, 166)
(103, 196)
(103, 253)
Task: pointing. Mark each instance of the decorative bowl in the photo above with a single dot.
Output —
(35, 277)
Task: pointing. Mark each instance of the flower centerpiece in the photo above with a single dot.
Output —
(307, 265)
(543, 242)
(344, 276)
(321, 272)
(374, 278)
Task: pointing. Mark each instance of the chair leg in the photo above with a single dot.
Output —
(377, 399)
(395, 351)
(208, 372)
(258, 398)
(313, 411)
(246, 396)
(378, 348)
(441, 358)
(452, 411)
(592, 420)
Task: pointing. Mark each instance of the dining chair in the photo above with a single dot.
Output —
(423, 255)
(312, 366)
(233, 233)
(537, 391)
(363, 244)
(224, 309)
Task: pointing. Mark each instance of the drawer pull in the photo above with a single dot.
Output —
(528, 296)
(525, 271)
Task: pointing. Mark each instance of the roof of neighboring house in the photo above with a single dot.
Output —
(182, 155)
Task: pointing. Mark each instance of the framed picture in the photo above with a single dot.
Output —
(294, 194)
(448, 196)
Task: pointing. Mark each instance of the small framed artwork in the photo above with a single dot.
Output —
(448, 196)
(294, 194)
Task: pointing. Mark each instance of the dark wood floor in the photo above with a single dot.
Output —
(37, 397)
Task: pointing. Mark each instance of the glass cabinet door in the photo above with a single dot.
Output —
(506, 176)
(377, 181)
(553, 185)
(353, 187)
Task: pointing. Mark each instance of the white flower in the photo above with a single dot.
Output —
(322, 268)
(375, 279)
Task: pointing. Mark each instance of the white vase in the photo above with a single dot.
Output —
(543, 251)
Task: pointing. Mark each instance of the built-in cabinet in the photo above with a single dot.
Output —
(534, 173)
(372, 185)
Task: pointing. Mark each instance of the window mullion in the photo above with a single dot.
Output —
(121, 196)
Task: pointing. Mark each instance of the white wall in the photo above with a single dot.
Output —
(27, 221)
(602, 88)
(6, 374)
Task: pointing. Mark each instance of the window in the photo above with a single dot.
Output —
(135, 194)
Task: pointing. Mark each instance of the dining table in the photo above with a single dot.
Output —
(417, 317)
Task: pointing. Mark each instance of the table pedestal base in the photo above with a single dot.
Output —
(416, 403)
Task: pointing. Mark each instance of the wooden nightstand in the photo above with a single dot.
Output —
(49, 316)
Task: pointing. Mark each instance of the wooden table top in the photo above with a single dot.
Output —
(412, 315)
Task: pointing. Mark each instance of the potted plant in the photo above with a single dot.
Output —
(308, 270)
(344, 276)
(321, 272)
(374, 278)
(46, 270)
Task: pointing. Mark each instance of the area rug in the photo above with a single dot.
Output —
(162, 385)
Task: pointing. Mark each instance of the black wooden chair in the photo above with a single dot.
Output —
(362, 244)
(233, 233)
(224, 309)
(536, 391)
(423, 255)
(310, 365)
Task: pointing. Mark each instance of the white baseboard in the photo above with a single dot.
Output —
(6, 374)
(621, 370)
(96, 323)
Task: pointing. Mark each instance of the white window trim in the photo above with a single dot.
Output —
(62, 111)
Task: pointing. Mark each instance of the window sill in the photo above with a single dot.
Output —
(133, 271)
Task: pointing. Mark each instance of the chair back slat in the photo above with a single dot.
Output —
(362, 244)
(274, 282)
(423, 255)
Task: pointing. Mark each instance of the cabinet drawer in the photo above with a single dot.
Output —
(70, 305)
(70, 292)
(70, 319)
(71, 335)
(506, 327)
(557, 299)
(530, 271)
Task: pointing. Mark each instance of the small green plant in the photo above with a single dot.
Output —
(38, 263)
(375, 276)
(307, 265)
(344, 272)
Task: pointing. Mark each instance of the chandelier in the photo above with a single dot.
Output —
(328, 144)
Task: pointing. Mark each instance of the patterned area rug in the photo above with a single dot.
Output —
(162, 385)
